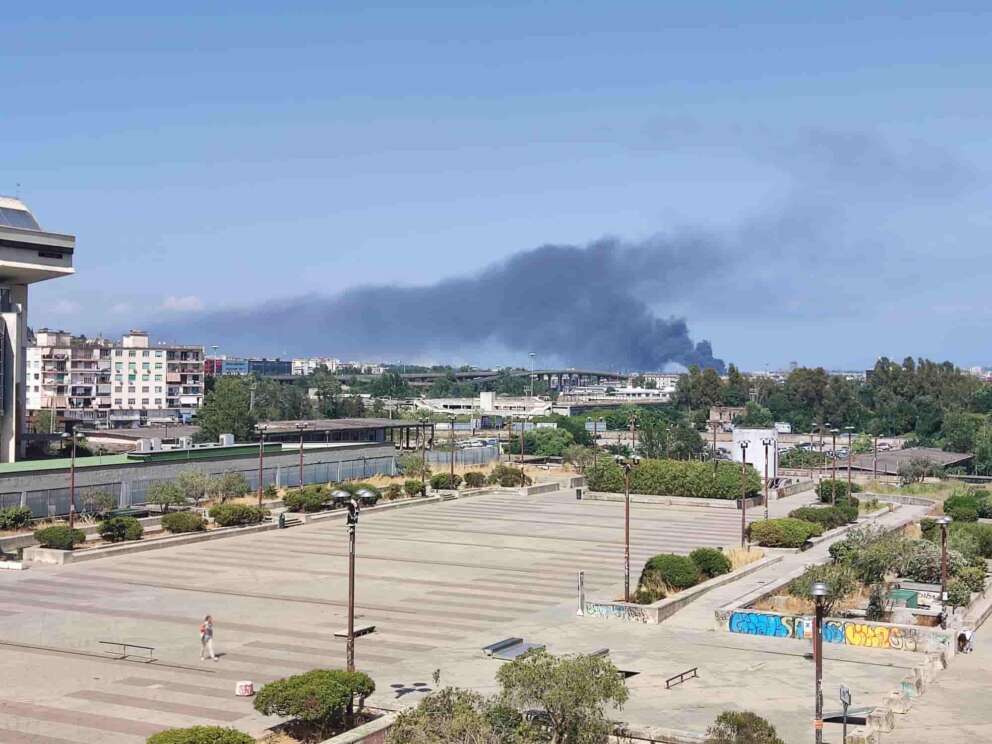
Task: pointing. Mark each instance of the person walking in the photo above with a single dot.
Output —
(207, 638)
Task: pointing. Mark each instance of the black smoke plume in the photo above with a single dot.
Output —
(581, 306)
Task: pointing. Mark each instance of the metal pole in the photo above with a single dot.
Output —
(423, 458)
(714, 448)
(849, 462)
(522, 444)
(352, 525)
(633, 436)
(626, 532)
(833, 461)
(874, 462)
(811, 458)
(766, 478)
(818, 663)
(261, 460)
(743, 491)
(943, 574)
(72, 484)
(844, 730)
(582, 594)
(451, 441)
(301, 457)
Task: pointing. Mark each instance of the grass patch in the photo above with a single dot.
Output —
(740, 557)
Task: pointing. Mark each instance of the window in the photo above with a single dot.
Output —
(158, 354)
(158, 388)
(131, 389)
(118, 402)
(144, 388)
(118, 389)
(130, 401)
(144, 401)
(146, 365)
(158, 401)
(131, 352)
(36, 375)
(144, 353)
(158, 365)
(158, 378)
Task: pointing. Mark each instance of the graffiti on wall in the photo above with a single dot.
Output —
(846, 632)
(630, 613)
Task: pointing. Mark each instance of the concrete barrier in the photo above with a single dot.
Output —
(373, 732)
(662, 500)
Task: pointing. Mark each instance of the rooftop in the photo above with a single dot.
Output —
(890, 462)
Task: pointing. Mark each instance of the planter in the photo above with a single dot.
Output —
(661, 500)
(49, 556)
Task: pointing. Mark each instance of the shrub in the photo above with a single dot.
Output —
(840, 580)
(413, 487)
(445, 481)
(958, 593)
(508, 476)
(270, 491)
(668, 571)
(193, 485)
(828, 517)
(741, 727)
(121, 529)
(179, 522)
(229, 515)
(14, 517)
(475, 479)
(710, 562)
(98, 503)
(165, 494)
(675, 478)
(307, 499)
(854, 542)
(393, 491)
(783, 533)
(922, 562)
(875, 611)
(973, 577)
(319, 698)
(201, 735)
(962, 507)
(59, 537)
(227, 486)
(981, 532)
(825, 489)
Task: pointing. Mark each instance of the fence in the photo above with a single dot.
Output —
(464, 457)
(51, 502)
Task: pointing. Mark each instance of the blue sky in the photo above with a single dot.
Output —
(838, 154)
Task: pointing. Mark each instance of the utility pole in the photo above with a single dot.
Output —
(743, 491)
(766, 441)
(833, 461)
(423, 454)
(849, 455)
(509, 439)
(261, 460)
(72, 483)
(352, 527)
(943, 522)
(522, 427)
(301, 426)
(626, 530)
(451, 440)
(819, 592)
(632, 422)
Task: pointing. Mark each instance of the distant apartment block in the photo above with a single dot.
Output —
(309, 365)
(121, 383)
(237, 366)
(28, 254)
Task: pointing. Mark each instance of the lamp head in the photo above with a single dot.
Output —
(944, 521)
(819, 589)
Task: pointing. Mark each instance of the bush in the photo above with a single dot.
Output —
(270, 491)
(393, 491)
(165, 494)
(840, 580)
(98, 503)
(121, 529)
(475, 479)
(59, 537)
(687, 478)
(445, 481)
(14, 517)
(981, 532)
(958, 593)
(227, 486)
(229, 515)
(783, 533)
(413, 487)
(828, 517)
(922, 562)
(668, 571)
(741, 727)
(179, 522)
(710, 562)
(306, 499)
(963, 507)
(973, 577)
(319, 698)
(508, 476)
(201, 735)
(825, 489)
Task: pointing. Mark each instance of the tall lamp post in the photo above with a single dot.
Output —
(874, 460)
(72, 479)
(767, 441)
(532, 355)
(743, 491)
(850, 430)
(261, 460)
(943, 522)
(819, 592)
(632, 422)
(451, 440)
(352, 522)
(626, 530)
(301, 427)
(833, 461)
(714, 424)
(424, 420)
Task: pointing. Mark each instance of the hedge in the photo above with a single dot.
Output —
(121, 529)
(59, 537)
(306, 499)
(229, 515)
(686, 478)
(825, 489)
(201, 735)
(475, 479)
(393, 491)
(14, 517)
(445, 481)
(828, 517)
(783, 533)
(508, 476)
(413, 487)
(178, 522)
(710, 562)
(675, 571)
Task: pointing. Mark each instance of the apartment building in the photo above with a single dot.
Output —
(121, 384)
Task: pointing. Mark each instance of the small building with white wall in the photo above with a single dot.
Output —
(755, 439)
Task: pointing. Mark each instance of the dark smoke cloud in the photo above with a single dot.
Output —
(583, 306)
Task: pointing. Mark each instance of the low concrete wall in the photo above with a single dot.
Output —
(661, 610)
(540, 488)
(793, 488)
(660, 500)
(373, 732)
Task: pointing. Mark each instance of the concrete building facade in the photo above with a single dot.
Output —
(28, 254)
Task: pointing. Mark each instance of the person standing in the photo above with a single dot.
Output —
(207, 638)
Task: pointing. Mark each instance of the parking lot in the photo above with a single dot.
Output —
(439, 582)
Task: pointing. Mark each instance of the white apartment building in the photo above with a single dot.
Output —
(309, 365)
(120, 383)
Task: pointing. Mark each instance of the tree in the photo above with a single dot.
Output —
(165, 494)
(960, 429)
(321, 698)
(193, 485)
(735, 391)
(460, 717)
(755, 416)
(983, 450)
(543, 442)
(227, 486)
(43, 421)
(414, 466)
(579, 457)
(226, 411)
(840, 580)
(573, 692)
(98, 503)
(741, 727)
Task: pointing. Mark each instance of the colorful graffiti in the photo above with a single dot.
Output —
(630, 613)
(849, 633)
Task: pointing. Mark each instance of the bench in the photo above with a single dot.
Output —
(681, 677)
(123, 654)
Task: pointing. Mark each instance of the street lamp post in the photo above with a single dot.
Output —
(714, 424)
(943, 522)
(451, 441)
(811, 458)
(261, 460)
(72, 480)
(301, 426)
(352, 527)
(632, 422)
(874, 461)
(819, 592)
(766, 441)
(849, 429)
(833, 461)
(509, 439)
(423, 453)
(743, 491)
(532, 355)
(626, 530)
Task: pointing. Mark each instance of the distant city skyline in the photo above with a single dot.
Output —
(832, 161)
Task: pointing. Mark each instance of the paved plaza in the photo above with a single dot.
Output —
(439, 581)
